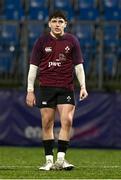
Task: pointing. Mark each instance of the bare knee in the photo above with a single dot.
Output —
(47, 122)
(66, 123)
(47, 115)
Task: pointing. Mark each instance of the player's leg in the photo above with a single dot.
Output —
(47, 116)
(65, 107)
(47, 105)
(66, 112)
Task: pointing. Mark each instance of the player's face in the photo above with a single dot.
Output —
(57, 26)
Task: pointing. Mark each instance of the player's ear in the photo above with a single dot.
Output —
(65, 25)
(49, 24)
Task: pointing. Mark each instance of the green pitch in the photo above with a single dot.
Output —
(23, 163)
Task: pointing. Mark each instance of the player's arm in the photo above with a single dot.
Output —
(79, 70)
(30, 98)
(34, 64)
(80, 74)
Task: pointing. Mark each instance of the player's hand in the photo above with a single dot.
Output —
(83, 93)
(30, 99)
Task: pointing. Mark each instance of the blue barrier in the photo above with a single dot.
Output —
(97, 121)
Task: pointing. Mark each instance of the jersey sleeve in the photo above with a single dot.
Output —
(36, 54)
(77, 54)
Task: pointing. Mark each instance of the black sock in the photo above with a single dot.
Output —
(48, 146)
(63, 146)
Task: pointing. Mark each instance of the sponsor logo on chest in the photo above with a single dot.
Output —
(61, 56)
(48, 49)
(58, 62)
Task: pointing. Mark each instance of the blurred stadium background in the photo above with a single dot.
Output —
(97, 121)
(97, 24)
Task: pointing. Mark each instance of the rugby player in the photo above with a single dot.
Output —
(56, 56)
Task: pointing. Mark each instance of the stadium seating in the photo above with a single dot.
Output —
(38, 14)
(13, 9)
(87, 56)
(9, 4)
(6, 59)
(89, 14)
(87, 4)
(111, 36)
(112, 10)
(13, 14)
(38, 3)
(9, 35)
(111, 44)
(62, 4)
(66, 7)
(34, 31)
(110, 3)
(38, 10)
(85, 33)
(9, 45)
(112, 14)
(110, 64)
(87, 10)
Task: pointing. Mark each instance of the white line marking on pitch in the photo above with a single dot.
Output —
(27, 167)
(11, 166)
(100, 166)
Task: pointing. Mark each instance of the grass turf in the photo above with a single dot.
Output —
(23, 163)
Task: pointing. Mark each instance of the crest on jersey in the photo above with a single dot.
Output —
(68, 98)
(67, 49)
(48, 49)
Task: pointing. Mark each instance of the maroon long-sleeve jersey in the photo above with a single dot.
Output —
(56, 59)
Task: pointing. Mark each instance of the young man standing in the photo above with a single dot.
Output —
(56, 56)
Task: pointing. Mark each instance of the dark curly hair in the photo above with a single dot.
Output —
(59, 14)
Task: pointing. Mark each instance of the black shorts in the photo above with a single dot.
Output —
(51, 96)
